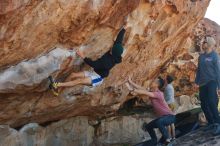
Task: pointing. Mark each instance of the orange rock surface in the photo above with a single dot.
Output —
(158, 32)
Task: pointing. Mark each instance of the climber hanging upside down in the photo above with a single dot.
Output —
(101, 67)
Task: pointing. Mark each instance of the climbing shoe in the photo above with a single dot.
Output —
(55, 92)
(53, 84)
(216, 130)
(209, 127)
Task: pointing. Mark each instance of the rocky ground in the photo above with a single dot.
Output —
(200, 137)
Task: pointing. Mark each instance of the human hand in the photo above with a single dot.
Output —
(126, 26)
(80, 54)
(129, 79)
(129, 87)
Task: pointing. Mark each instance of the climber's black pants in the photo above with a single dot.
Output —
(209, 102)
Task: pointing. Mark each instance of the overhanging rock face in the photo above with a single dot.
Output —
(34, 71)
(33, 31)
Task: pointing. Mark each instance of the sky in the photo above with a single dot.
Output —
(213, 11)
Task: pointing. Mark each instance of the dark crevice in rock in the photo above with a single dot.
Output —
(45, 124)
(134, 106)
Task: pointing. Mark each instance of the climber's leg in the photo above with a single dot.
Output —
(95, 78)
(75, 75)
(81, 81)
(86, 78)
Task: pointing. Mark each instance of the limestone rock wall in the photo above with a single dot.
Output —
(30, 30)
(78, 131)
(124, 129)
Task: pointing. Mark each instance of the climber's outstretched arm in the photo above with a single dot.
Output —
(144, 92)
(90, 62)
(139, 90)
(93, 64)
(120, 37)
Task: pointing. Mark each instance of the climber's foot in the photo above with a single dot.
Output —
(56, 93)
(53, 84)
(173, 139)
(168, 143)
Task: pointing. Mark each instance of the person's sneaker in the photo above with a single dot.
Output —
(168, 142)
(53, 84)
(216, 130)
(55, 92)
(209, 127)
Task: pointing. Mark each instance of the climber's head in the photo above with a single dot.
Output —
(157, 84)
(208, 44)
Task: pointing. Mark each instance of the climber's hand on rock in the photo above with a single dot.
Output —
(126, 26)
(129, 87)
(80, 54)
(129, 79)
(133, 93)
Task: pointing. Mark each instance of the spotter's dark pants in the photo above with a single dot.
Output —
(209, 102)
